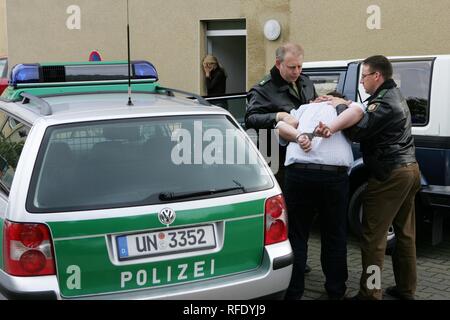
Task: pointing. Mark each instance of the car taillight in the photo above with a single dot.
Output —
(3, 84)
(27, 249)
(276, 220)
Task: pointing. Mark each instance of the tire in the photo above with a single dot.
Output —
(355, 213)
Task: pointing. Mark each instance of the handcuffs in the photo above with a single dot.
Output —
(310, 135)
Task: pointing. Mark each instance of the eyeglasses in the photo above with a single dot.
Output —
(363, 76)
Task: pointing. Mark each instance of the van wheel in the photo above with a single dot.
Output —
(355, 213)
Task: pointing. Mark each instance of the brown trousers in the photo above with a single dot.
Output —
(385, 203)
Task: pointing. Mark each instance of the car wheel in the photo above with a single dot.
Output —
(355, 213)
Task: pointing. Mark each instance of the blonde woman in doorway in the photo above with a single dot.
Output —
(215, 75)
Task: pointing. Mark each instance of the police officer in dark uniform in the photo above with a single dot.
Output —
(284, 89)
(280, 91)
(389, 154)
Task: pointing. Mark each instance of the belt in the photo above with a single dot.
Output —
(402, 165)
(321, 167)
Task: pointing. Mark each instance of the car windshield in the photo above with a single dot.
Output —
(132, 162)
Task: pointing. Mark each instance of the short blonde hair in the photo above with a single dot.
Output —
(293, 48)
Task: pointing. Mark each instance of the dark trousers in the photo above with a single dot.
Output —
(385, 203)
(325, 192)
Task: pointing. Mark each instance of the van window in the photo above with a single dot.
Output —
(131, 162)
(325, 83)
(414, 80)
(13, 134)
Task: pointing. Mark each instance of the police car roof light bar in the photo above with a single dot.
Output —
(37, 74)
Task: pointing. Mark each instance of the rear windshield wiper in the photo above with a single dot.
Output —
(167, 196)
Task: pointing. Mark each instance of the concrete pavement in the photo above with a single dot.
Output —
(433, 268)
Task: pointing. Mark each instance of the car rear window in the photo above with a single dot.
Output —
(132, 162)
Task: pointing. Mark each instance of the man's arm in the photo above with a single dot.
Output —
(287, 118)
(372, 123)
(348, 112)
(286, 131)
(260, 111)
(347, 118)
(289, 134)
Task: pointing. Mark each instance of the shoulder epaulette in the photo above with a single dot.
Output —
(266, 79)
(382, 93)
(304, 75)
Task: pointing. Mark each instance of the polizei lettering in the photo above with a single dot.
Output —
(159, 275)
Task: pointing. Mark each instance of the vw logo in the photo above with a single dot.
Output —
(167, 216)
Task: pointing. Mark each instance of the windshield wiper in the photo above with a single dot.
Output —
(167, 196)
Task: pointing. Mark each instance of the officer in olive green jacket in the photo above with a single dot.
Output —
(388, 152)
(284, 89)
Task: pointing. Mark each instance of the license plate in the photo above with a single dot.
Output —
(163, 242)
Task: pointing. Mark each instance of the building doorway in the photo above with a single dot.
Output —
(227, 40)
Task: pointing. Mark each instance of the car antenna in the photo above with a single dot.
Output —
(130, 103)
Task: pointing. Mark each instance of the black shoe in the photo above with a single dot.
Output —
(393, 292)
(307, 269)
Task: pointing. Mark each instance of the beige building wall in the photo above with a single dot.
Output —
(333, 30)
(170, 33)
(3, 39)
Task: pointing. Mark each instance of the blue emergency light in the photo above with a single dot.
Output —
(92, 71)
(24, 73)
(142, 69)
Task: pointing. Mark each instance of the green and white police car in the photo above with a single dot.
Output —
(164, 199)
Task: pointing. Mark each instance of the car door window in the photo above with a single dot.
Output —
(13, 134)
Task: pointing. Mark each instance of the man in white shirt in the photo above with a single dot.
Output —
(316, 181)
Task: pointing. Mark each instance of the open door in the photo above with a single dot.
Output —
(226, 40)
